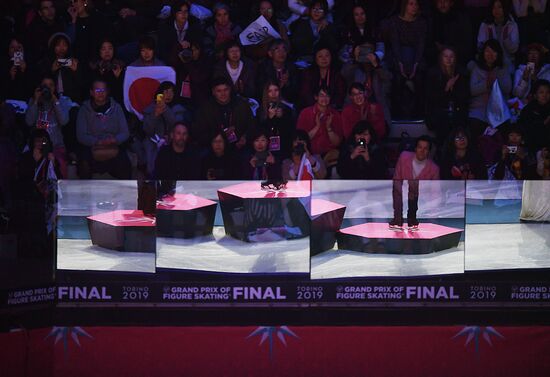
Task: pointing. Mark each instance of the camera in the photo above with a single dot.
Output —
(299, 149)
(186, 54)
(46, 93)
(512, 149)
(362, 143)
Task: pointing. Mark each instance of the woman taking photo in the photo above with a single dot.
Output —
(278, 118)
(158, 119)
(262, 164)
(360, 156)
(108, 68)
(302, 165)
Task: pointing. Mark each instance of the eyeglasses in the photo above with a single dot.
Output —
(460, 138)
(319, 10)
(100, 90)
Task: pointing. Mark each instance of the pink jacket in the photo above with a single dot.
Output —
(404, 168)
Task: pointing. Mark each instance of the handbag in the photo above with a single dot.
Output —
(101, 153)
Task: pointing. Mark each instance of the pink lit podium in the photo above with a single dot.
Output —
(249, 212)
(123, 230)
(378, 238)
(326, 220)
(185, 216)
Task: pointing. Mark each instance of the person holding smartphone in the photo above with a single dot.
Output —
(262, 164)
(14, 70)
(534, 69)
(109, 68)
(361, 157)
(302, 164)
(277, 117)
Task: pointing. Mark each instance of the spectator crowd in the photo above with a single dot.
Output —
(316, 97)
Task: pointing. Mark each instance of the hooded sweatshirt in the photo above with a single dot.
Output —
(92, 126)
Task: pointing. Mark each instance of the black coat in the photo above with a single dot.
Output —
(358, 168)
(168, 44)
(472, 161)
(452, 29)
(36, 39)
(246, 84)
(531, 119)
(225, 167)
(267, 72)
(303, 41)
(212, 117)
(170, 165)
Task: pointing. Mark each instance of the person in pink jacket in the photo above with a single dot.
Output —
(412, 166)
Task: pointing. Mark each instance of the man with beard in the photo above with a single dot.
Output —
(178, 160)
(40, 30)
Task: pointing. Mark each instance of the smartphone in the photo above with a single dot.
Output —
(159, 98)
(65, 62)
(364, 51)
(18, 58)
(531, 66)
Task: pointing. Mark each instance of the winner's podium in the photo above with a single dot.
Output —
(123, 230)
(378, 238)
(253, 214)
(326, 220)
(185, 216)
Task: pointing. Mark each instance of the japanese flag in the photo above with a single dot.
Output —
(305, 173)
(140, 85)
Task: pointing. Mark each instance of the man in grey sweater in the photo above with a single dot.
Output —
(101, 128)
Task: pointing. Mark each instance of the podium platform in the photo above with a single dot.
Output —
(326, 220)
(378, 238)
(123, 230)
(185, 216)
(251, 214)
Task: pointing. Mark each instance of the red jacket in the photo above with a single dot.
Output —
(375, 115)
(320, 144)
(404, 168)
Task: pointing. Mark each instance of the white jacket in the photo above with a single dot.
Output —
(522, 88)
(508, 36)
(521, 7)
